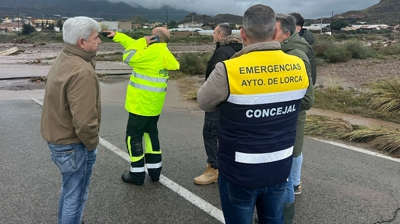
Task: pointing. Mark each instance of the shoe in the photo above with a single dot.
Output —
(128, 178)
(255, 218)
(208, 177)
(155, 179)
(297, 189)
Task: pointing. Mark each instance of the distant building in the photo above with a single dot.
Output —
(317, 26)
(367, 27)
(124, 26)
(109, 25)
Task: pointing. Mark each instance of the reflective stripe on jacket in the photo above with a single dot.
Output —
(258, 120)
(147, 87)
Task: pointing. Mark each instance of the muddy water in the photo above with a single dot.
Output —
(113, 90)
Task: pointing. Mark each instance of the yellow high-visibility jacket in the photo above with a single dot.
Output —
(147, 87)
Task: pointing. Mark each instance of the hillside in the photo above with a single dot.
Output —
(386, 11)
(98, 9)
(220, 18)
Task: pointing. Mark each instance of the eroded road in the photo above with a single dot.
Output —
(340, 185)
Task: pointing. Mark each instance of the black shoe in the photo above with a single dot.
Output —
(127, 177)
(155, 179)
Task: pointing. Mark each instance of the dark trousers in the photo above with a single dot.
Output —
(137, 128)
(210, 137)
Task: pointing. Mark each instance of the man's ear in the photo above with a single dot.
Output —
(81, 43)
(287, 35)
(275, 32)
(243, 35)
(298, 28)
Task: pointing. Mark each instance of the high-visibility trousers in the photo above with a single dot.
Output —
(143, 130)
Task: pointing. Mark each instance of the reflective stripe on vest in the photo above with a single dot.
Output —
(149, 88)
(136, 169)
(258, 158)
(147, 78)
(129, 57)
(266, 98)
(153, 165)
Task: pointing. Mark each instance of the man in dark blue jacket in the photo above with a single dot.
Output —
(226, 46)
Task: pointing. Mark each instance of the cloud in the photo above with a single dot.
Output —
(308, 8)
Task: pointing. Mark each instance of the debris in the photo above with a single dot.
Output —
(9, 51)
(36, 61)
(38, 79)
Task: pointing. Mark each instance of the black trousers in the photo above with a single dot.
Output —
(143, 130)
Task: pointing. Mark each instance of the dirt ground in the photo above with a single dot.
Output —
(355, 73)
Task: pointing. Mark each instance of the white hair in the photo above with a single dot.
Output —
(79, 27)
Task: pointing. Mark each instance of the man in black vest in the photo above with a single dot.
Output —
(226, 46)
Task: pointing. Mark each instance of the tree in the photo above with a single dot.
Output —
(172, 24)
(27, 29)
(338, 24)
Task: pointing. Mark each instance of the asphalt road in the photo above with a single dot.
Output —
(339, 185)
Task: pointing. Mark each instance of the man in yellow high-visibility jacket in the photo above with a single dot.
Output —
(151, 60)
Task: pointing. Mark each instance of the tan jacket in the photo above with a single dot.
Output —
(72, 108)
(215, 90)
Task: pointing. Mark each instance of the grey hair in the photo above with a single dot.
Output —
(225, 29)
(288, 23)
(259, 22)
(79, 27)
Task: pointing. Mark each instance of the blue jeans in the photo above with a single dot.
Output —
(238, 203)
(289, 192)
(295, 172)
(75, 163)
(294, 178)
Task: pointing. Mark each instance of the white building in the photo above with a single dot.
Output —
(317, 26)
(211, 32)
(111, 25)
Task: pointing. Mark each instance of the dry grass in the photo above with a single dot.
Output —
(382, 139)
(386, 95)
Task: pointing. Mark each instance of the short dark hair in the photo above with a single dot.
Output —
(287, 23)
(225, 29)
(299, 19)
(259, 22)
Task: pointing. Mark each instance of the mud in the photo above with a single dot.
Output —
(353, 74)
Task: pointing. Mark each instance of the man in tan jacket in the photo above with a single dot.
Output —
(71, 115)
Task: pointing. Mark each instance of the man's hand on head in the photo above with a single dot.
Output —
(150, 40)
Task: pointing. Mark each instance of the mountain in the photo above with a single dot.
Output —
(96, 9)
(386, 11)
(220, 18)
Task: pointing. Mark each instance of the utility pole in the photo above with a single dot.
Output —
(167, 18)
(331, 23)
(321, 22)
(18, 19)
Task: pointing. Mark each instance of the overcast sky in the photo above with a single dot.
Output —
(308, 8)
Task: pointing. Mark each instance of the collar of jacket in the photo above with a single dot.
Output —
(295, 41)
(85, 55)
(261, 46)
(231, 39)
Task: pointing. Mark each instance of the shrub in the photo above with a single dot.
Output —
(27, 29)
(358, 50)
(386, 95)
(335, 54)
(194, 63)
(321, 45)
(389, 50)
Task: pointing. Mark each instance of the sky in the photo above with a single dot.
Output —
(309, 9)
